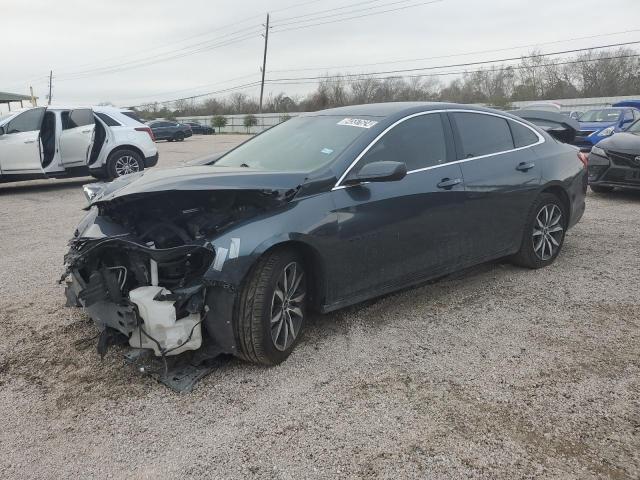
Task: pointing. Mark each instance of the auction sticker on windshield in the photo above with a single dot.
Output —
(357, 122)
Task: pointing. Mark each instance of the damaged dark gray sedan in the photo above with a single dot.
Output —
(323, 211)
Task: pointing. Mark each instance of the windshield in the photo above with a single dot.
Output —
(299, 144)
(634, 128)
(605, 115)
(4, 116)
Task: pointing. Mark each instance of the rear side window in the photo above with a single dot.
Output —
(482, 134)
(134, 116)
(522, 136)
(418, 142)
(29, 121)
(107, 120)
(77, 118)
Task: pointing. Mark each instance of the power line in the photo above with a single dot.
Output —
(364, 77)
(307, 16)
(179, 53)
(190, 37)
(467, 64)
(338, 79)
(466, 54)
(193, 97)
(357, 16)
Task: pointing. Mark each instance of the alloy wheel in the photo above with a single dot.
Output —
(126, 164)
(547, 232)
(287, 306)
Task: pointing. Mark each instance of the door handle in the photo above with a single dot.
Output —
(86, 131)
(29, 141)
(525, 166)
(449, 183)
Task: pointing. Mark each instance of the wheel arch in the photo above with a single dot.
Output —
(313, 263)
(118, 148)
(560, 192)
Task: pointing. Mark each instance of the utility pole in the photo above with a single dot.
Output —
(264, 60)
(50, 84)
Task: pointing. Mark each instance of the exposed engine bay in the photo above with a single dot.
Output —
(137, 265)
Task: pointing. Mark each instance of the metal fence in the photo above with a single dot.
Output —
(235, 123)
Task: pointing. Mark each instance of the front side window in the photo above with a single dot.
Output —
(482, 134)
(419, 142)
(628, 116)
(29, 121)
(302, 144)
(522, 136)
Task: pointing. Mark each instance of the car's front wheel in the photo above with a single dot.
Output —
(270, 314)
(178, 137)
(544, 232)
(124, 162)
(601, 189)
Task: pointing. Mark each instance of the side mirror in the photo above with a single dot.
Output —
(378, 172)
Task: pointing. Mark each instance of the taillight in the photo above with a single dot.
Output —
(148, 130)
(584, 158)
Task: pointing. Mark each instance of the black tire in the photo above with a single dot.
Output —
(252, 322)
(178, 137)
(114, 162)
(529, 256)
(601, 189)
(169, 139)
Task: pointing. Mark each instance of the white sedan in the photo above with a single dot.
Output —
(53, 142)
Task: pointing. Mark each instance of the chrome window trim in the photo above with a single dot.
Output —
(540, 141)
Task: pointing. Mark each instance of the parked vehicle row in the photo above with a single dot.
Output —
(53, 142)
(320, 212)
(609, 136)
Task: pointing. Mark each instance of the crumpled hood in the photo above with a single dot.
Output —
(199, 178)
(622, 142)
(595, 125)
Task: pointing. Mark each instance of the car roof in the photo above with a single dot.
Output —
(396, 108)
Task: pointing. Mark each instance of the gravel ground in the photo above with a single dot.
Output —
(497, 372)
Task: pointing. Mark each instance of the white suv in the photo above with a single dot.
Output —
(44, 142)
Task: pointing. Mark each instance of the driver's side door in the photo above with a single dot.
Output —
(20, 144)
(397, 232)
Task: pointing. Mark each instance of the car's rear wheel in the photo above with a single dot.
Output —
(178, 137)
(601, 189)
(544, 232)
(124, 162)
(269, 317)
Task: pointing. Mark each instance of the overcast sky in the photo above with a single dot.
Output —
(79, 39)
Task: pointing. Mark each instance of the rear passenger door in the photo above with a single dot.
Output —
(501, 177)
(76, 136)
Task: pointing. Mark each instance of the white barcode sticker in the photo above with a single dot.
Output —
(357, 122)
